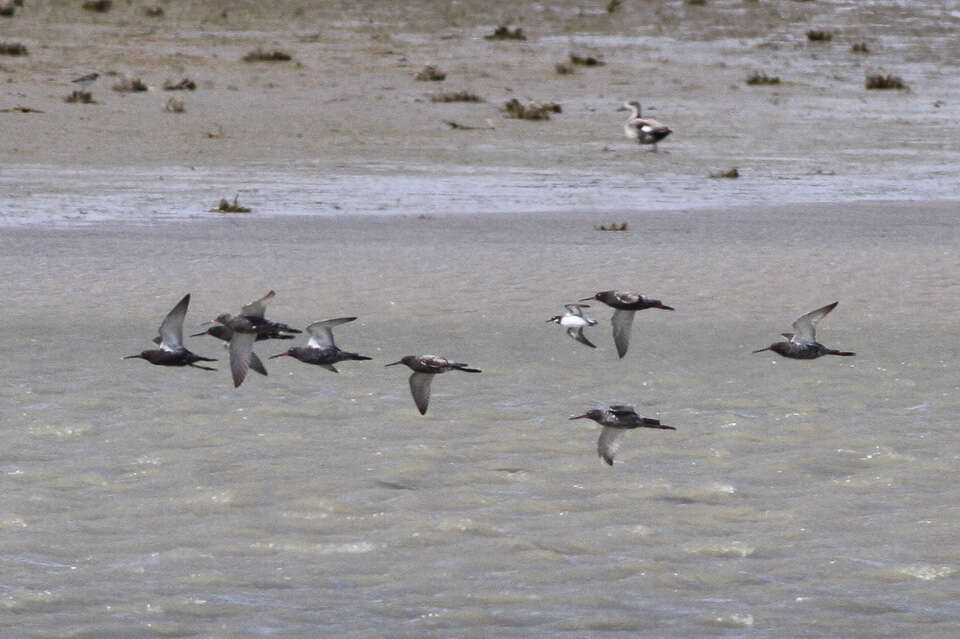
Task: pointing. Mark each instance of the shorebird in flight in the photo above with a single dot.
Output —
(575, 321)
(424, 368)
(803, 343)
(321, 349)
(626, 304)
(172, 352)
(615, 421)
(246, 328)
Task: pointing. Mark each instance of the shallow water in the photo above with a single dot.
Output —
(795, 498)
(46, 196)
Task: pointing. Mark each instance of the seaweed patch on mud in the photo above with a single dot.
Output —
(130, 84)
(880, 81)
(503, 32)
(430, 73)
(815, 35)
(455, 96)
(13, 48)
(260, 55)
(613, 226)
(586, 60)
(759, 78)
(185, 84)
(80, 97)
(731, 174)
(226, 206)
(98, 6)
(531, 111)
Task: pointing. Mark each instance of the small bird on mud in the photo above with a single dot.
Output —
(86, 80)
(625, 305)
(321, 349)
(803, 343)
(575, 321)
(172, 351)
(615, 421)
(643, 130)
(424, 368)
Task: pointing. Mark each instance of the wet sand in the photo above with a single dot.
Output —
(348, 97)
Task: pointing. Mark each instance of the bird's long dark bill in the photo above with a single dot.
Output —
(842, 353)
(133, 357)
(579, 417)
(280, 355)
(588, 299)
(762, 349)
(661, 427)
(199, 334)
(664, 307)
(393, 364)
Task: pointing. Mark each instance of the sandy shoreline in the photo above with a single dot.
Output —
(349, 94)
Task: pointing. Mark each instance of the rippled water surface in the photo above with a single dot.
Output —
(802, 498)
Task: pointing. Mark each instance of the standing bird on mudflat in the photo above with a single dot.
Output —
(803, 344)
(424, 368)
(575, 321)
(321, 349)
(625, 305)
(172, 351)
(86, 80)
(615, 421)
(643, 130)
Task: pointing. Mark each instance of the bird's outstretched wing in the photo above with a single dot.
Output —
(241, 346)
(171, 329)
(420, 389)
(609, 443)
(806, 326)
(321, 333)
(577, 334)
(622, 327)
(258, 307)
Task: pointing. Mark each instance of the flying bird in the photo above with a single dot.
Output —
(575, 321)
(615, 421)
(172, 352)
(803, 343)
(625, 305)
(321, 349)
(224, 333)
(424, 368)
(243, 330)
